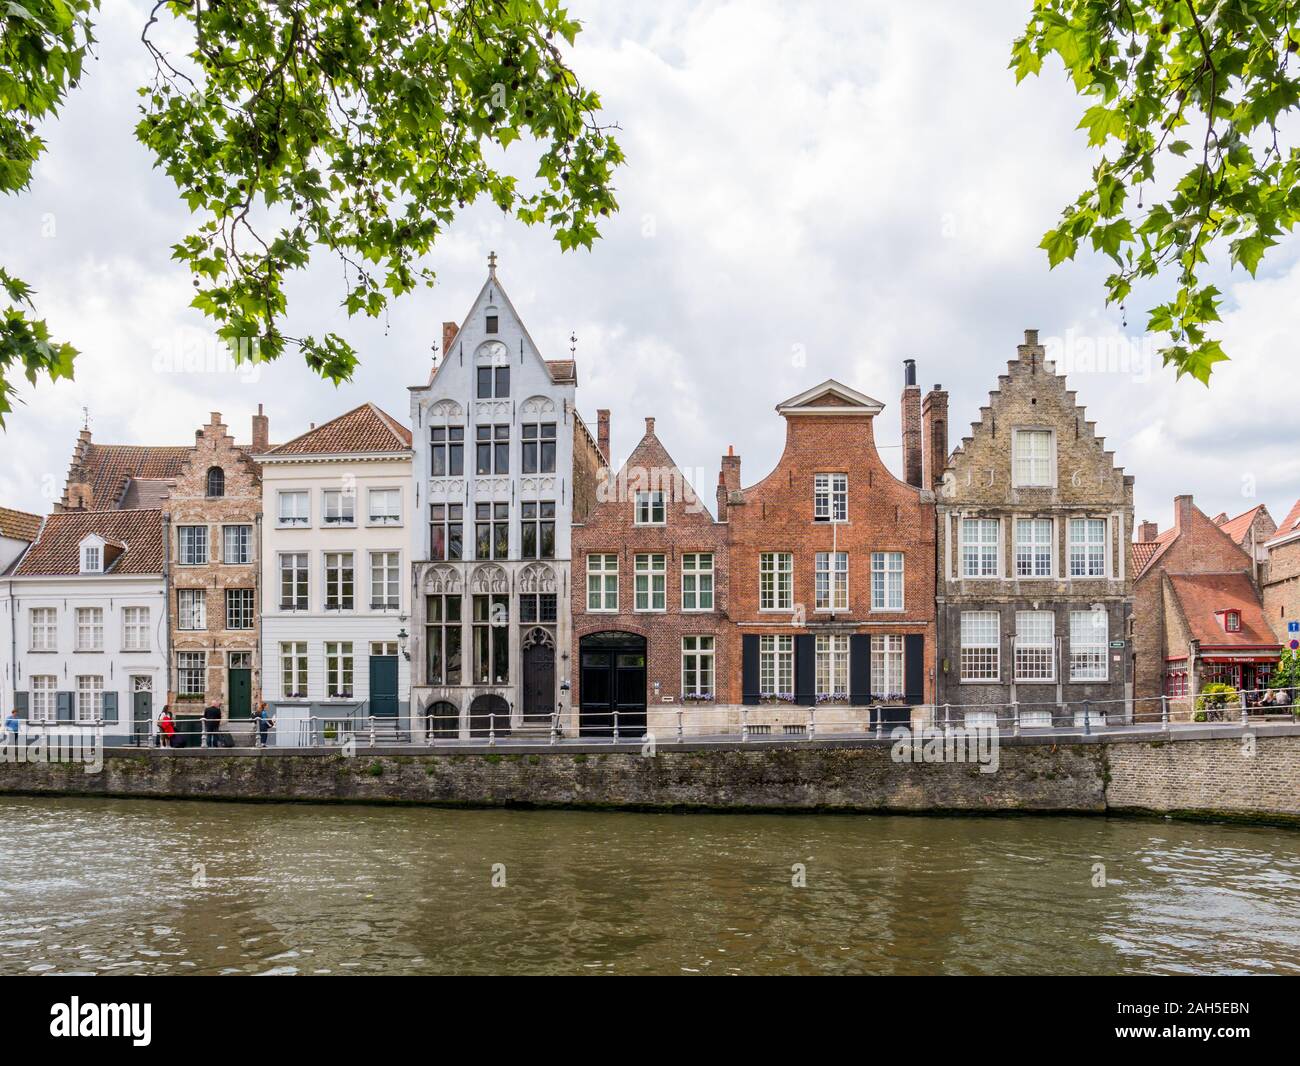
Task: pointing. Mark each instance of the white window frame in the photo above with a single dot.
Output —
(1034, 650)
(602, 583)
(90, 629)
(830, 497)
(241, 535)
(1032, 467)
(391, 517)
(650, 583)
(697, 581)
(43, 629)
(1030, 548)
(650, 503)
(698, 661)
(335, 561)
(340, 670)
(338, 508)
(90, 698)
(293, 518)
(776, 581)
(979, 666)
(386, 575)
(187, 664)
(193, 545)
(1082, 550)
(44, 706)
(979, 537)
(192, 609)
(888, 666)
(299, 574)
(92, 559)
(135, 628)
(831, 661)
(831, 582)
(241, 603)
(293, 670)
(887, 581)
(1089, 659)
(776, 664)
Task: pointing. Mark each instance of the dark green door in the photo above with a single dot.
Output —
(241, 694)
(383, 686)
(142, 712)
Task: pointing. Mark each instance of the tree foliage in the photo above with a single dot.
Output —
(351, 128)
(1185, 102)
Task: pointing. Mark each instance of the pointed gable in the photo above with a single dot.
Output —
(830, 398)
(650, 468)
(364, 429)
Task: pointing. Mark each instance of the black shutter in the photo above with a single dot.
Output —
(65, 706)
(860, 669)
(805, 670)
(20, 704)
(914, 668)
(749, 668)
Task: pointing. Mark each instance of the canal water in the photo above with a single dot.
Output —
(129, 886)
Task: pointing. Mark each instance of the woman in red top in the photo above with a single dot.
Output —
(166, 727)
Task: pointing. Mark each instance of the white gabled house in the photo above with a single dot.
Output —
(336, 557)
(83, 618)
(500, 454)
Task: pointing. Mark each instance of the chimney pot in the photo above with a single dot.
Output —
(909, 372)
(649, 426)
(261, 432)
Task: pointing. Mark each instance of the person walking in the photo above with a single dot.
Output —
(166, 728)
(264, 725)
(211, 723)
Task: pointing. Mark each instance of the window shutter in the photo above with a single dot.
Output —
(805, 670)
(749, 668)
(110, 706)
(860, 669)
(914, 668)
(20, 704)
(65, 705)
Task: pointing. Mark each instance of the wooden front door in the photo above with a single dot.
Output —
(383, 686)
(613, 685)
(240, 688)
(539, 675)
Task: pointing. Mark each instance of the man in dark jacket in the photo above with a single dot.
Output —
(211, 723)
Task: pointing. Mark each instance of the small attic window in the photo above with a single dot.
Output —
(92, 559)
(1232, 621)
(216, 483)
(492, 322)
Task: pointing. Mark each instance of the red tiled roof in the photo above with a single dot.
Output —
(111, 465)
(1291, 522)
(1146, 552)
(56, 550)
(19, 525)
(1202, 595)
(1238, 527)
(363, 429)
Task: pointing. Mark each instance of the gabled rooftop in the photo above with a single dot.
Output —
(57, 550)
(364, 429)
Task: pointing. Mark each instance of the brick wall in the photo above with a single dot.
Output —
(1282, 587)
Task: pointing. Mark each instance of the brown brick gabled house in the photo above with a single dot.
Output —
(650, 630)
(831, 566)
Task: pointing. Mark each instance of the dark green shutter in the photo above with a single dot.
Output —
(20, 704)
(749, 668)
(66, 706)
(860, 669)
(805, 670)
(914, 668)
(110, 706)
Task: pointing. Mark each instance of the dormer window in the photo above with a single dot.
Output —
(1232, 621)
(92, 559)
(216, 483)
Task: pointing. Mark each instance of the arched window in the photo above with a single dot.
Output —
(216, 482)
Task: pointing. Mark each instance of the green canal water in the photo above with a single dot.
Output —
(127, 886)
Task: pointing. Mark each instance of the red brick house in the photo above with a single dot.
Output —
(649, 599)
(1281, 575)
(1198, 614)
(832, 566)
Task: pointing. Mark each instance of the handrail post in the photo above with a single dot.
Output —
(372, 730)
(555, 726)
(880, 721)
(1015, 718)
(680, 728)
(492, 729)
(615, 725)
(428, 730)
(1087, 717)
(744, 725)
(812, 721)
(1164, 712)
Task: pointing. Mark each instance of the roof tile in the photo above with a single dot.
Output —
(56, 550)
(363, 429)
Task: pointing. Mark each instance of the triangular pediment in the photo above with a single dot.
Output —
(830, 398)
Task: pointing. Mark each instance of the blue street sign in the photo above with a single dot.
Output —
(1293, 627)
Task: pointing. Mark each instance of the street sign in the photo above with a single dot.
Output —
(1117, 644)
(1295, 644)
(1293, 627)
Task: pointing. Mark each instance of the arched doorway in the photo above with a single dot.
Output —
(539, 676)
(613, 681)
(488, 713)
(442, 719)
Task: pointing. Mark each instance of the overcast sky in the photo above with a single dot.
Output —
(812, 191)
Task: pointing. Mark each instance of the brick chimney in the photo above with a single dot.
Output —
(911, 405)
(261, 432)
(728, 480)
(649, 426)
(934, 437)
(1147, 531)
(602, 432)
(1183, 507)
(449, 331)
